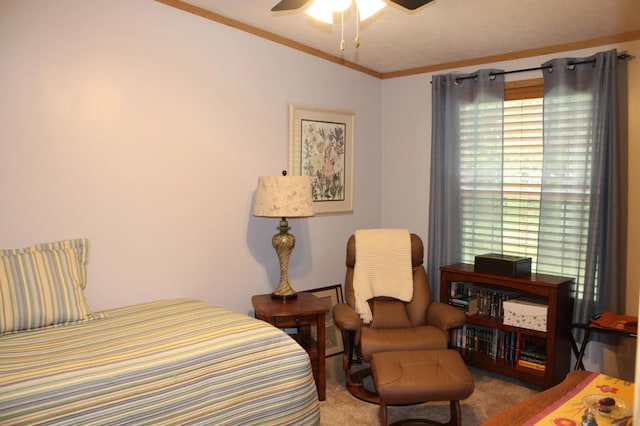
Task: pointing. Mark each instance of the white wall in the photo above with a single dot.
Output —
(145, 128)
(406, 153)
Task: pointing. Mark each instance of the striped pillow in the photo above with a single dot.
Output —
(42, 285)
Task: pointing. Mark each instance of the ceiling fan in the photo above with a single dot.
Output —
(297, 4)
(323, 10)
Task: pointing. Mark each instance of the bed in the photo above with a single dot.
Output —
(178, 361)
(169, 362)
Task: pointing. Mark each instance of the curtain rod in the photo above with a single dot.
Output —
(622, 56)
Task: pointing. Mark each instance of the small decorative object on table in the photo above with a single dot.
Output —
(502, 264)
(588, 419)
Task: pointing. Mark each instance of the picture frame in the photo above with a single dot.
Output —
(330, 296)
(321, 145)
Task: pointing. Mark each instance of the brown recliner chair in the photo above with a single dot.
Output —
(420, 324)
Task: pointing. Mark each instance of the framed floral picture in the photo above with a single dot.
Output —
(321, 146)
(330, 296)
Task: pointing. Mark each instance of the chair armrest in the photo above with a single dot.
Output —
(445, 316)
(346, 318)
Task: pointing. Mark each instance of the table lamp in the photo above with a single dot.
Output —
(283, 196)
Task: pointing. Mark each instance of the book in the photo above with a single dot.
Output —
(534, 360)
(518, 345)
(532, 365)
(533, 347)
(490, 301)
(512, 338)
(533, 355)
(467, 304)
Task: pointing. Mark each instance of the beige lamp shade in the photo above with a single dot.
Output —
(283, 196)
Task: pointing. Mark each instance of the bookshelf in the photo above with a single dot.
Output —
(476, 345)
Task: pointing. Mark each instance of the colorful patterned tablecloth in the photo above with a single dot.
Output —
(591, 394)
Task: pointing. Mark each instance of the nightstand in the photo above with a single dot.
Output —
(301, 313)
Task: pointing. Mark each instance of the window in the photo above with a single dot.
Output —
(501, 169)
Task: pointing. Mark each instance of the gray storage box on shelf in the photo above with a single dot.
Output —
(501, 264)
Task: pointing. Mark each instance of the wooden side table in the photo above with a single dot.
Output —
(300, 313)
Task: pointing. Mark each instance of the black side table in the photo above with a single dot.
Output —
(591, 328)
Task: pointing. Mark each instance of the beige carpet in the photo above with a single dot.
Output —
(492, 394)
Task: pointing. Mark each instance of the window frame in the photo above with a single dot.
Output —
(524, 89)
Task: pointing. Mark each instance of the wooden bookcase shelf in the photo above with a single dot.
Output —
(553, 290)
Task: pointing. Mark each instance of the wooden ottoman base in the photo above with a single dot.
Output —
(415, 377)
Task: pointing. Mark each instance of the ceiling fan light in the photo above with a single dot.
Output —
(339, 5)
(367, 8)
(322, 10)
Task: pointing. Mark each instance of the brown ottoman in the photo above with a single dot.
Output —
(414, 377)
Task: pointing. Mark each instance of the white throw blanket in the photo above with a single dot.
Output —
(383, 267)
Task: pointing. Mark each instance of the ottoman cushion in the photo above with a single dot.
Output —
(413, 377)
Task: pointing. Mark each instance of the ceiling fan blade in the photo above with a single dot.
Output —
(288, 5)
(411, 4)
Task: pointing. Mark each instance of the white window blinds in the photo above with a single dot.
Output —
(501, 172)
(501, 169)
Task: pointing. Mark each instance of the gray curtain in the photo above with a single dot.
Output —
(482, 95)
(593, 195)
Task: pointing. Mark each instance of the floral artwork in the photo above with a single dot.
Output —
(321, 144)
(323, 158)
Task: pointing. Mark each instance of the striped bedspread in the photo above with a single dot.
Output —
(173, 362)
